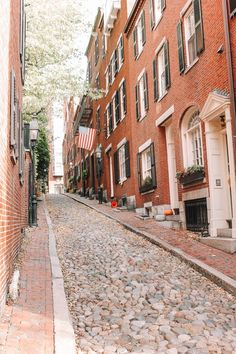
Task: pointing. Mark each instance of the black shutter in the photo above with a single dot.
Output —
(232, 4)
(135, 43)
(13, 109)
(145, 89)
(152, 18)
(117, 106)
(110, 111)
(116, 64)
(139, 170)
(167, 64)
(27, 136)
(124, 97)
(154, 180)
(122, 49)
(127, 160)
(163, 5)
(105, 124)
(155, 80)
(180, 47)
(116, 166)
(137, 101)
(109, 74)
(198, 26)
(143, 28)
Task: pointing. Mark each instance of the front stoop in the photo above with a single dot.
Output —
(224, 244)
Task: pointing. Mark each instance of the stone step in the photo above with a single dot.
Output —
(170, 224)
(173, 217)
(224, 244)
(224, 233)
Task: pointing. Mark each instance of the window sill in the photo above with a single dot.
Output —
(142, 118)
(191, 65)
(148, 192)
(139, 54)
(122, 181)
(159, 99)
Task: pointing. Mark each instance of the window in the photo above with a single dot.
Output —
(139, 35)
(192, 141)
(193, 34)
(122, 97)
(122, 163)
(161, 72)
(98, 82)
(190, 37)
(98, 121)
(96, 52)
(107, 80)
(104, 45)
(232, 4)
(89, 72)
(156, 9)
(120, 52)
(147, 169)
(141, 95)
(117, 107)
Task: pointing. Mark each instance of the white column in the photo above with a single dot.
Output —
(232, 168)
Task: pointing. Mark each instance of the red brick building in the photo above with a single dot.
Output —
(178, 121)
(14, 174)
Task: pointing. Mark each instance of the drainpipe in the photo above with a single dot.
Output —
(230, 71)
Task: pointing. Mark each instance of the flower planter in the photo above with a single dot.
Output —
(146, 188)
(197, 176)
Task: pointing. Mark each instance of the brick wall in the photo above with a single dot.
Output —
(13, 191)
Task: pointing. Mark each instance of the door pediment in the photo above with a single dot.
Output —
(215, 104)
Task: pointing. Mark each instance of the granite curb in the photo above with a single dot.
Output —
(211, 273)
(64, 337)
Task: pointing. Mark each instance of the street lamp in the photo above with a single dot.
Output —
(98, 153)
(34, 130)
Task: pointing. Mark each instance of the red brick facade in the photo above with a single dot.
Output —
(14, 175)
(178, 110)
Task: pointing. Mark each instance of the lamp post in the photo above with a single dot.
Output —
(98, 153)
(34, 129)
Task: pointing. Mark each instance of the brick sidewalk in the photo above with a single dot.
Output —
(219, 260)
(27, 326)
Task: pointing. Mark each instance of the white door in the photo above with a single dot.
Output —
(173, 186)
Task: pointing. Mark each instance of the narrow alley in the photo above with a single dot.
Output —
(127, 295)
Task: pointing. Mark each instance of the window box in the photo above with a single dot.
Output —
(191, 175)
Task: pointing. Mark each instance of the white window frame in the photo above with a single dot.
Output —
(120, 62)
(188, 139)
(188, 35)
(122, 112)
(161, 73)
(146, 164)
(122, 163)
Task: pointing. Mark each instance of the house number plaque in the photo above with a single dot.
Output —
(218, 182)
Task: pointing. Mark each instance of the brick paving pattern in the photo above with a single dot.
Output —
(221, 261)
(27, 326)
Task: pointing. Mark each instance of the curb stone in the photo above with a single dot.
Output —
(64, 337)
(214, 275)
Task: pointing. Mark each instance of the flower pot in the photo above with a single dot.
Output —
(192, 178)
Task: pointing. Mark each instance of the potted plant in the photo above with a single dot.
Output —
(192, 174)
(146, 184)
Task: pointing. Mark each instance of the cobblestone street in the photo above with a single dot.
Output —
(127, 295)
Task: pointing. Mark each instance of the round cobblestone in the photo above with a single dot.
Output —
(126, 295)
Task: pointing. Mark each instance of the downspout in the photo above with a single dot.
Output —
(230, 72)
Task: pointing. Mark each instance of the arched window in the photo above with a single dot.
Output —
(192, 139)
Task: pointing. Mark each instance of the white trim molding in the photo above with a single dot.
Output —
(145, 145)
(167, 114)
(122, 142)
(108, 148)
